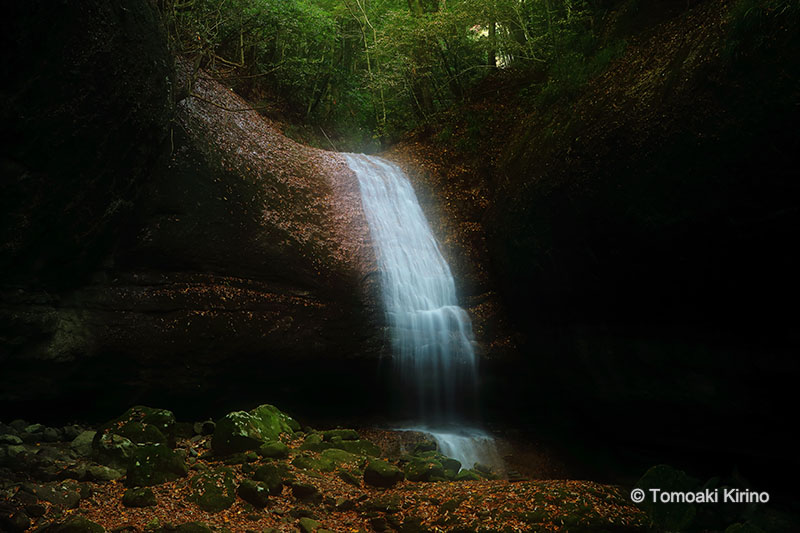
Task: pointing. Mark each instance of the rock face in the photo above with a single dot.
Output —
(85, 121)
(638, 235)
(243, 263)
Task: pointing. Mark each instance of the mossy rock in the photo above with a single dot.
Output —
(194, 527)
(78, 524)
(425, 446)
(308, 525)
(214, 491)
(141, 497)
(424, 470)
(306, 492)
(154, 464)
(467, 475)
(339, 457)
(274, 449)
(668, 516)
(379, 473)
(255, 493)
(248, 430)
(316, 442)
(143, 425)
(112, 450)
(350, 477)
(272, 476)
(343, 434)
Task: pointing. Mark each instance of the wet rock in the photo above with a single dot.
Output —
(379, 473)
(154, 464)
(240, 431)
(140, 497)
(254, 492)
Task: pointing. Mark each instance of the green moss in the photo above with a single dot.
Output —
(240, 431)
(142, 497)
(343, 434)
(379, 473)
(154, 464)
(424, 469)
(214, 491)
(273, 449)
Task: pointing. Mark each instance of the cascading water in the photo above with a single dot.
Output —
(432, 341)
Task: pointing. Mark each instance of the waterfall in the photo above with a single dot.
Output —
(431, 336)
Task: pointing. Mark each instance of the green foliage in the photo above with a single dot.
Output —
(370, 70)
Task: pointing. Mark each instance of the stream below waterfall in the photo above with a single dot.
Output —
(433, 355)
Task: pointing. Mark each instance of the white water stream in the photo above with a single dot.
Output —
(432, 340)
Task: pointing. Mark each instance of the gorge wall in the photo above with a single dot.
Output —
(637, 234)
(240, 267)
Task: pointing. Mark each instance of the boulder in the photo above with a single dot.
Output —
(139, 497)
(273, 449)
(214, 491)
(272, 477)
(379, 473)
(82, 443)
(254, 492)
(423, 469)
(154, 464)
(240, 431)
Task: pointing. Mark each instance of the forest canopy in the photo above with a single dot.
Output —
(373, 69)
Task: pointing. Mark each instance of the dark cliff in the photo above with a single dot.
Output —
(639, 233)
(239, 264)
